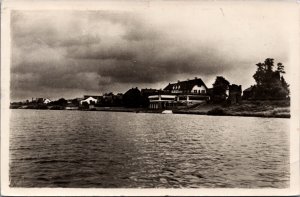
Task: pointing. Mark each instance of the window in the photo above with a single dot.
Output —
(203, 91)
(195, 91)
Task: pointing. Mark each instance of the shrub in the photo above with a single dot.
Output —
(216, 111)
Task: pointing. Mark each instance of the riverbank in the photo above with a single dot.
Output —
(268, 109)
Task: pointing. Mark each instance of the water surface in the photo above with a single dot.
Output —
(129, 150)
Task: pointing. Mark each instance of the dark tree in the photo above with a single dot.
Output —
(60, 102)
(269, 64)
(285, 85)
(75, 102)
(220, 87)
(269, 83)
(280, 68)
(260, 73)
(85, 105)
(133, 98)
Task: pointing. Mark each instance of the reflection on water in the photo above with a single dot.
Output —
(127, 150)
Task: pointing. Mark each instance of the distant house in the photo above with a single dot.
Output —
(89, 100)
(46, 101)
(194, 86)
(235, 94)
(41, 100)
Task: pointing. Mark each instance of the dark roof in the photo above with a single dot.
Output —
(93, 96)
(186, 85)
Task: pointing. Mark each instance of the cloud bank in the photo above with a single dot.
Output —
(70, 53)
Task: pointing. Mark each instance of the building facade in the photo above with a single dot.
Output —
(162, 101)
(182, 93)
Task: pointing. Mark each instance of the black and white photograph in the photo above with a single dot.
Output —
(168, 97)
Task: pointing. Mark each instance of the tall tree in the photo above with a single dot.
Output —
(280, 68)
(269, 83)
(260, 73)
(220, 87)
(269, 63)
(133, 98)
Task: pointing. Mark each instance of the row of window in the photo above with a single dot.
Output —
(176, 87)
(199, 91)
(181, 98)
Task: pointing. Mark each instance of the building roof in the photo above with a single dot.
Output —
(89, 98)
(186, 85)
(93, 96)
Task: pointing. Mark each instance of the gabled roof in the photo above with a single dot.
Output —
(186, 85)
(89, 98)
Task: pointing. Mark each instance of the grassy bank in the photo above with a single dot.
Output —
(274, 109)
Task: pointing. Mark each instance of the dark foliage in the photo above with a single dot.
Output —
(216, 111)
(220, 87)
(59, 102)
(269, 82)
(134, 98)
(85, 105)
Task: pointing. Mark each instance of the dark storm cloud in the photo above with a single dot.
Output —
(100, 53)
(98, 50)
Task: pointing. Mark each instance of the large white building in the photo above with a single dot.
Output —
(187, 92)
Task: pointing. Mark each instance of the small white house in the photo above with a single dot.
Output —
(88, 100)
(46, 101)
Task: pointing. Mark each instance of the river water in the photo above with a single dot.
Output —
(143, 150)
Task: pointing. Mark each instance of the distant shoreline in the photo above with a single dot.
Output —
(210, 110)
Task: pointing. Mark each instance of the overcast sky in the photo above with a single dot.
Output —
(71, 53)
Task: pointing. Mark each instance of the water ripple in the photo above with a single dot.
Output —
(128, 150)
